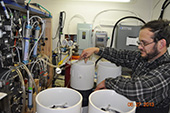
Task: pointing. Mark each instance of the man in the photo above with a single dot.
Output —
(149, 83)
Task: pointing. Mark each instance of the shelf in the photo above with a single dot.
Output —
(23, 8)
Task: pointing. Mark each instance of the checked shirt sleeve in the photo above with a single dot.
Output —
(149, 82)
(153, 87)
(124, 58)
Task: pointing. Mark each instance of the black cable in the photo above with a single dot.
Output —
(127, 17)
(64, 18)
(98, 60)
(162, 9)
(56, 33)
(61, 24)
(114, 28)
(164, 6)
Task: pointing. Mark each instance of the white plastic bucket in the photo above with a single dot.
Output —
(107, 69)
(111, 100)
(82, 75)
(63, 100)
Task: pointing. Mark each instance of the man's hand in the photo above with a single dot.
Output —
(101, 85)
(88, 52)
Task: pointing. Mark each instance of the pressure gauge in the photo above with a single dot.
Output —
(64, 42)
(70, 43)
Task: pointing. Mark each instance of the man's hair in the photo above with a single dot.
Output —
(161, 30)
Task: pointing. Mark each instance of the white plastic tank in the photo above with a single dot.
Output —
(82, 75)
(107, 69)
(59, 100)
(108, 101)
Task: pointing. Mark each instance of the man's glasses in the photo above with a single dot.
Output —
(144, 44)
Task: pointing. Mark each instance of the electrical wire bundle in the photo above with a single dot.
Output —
(19, 42)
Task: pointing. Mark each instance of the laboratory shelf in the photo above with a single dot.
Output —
(23, 8)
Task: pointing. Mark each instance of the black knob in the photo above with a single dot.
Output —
(43, 44)
(46, 38)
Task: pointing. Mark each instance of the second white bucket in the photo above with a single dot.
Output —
(82, 75)
(108, 101)
(107, 69)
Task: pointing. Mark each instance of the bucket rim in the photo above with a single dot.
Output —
(60, 88)
(109, 90)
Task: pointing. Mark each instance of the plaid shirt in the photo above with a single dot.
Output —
(150, 81)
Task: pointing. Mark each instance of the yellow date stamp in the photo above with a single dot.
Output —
(145, 104)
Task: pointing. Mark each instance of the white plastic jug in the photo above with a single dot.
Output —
(108, 101)
(59, 100)
(107, 69)
(82, 75)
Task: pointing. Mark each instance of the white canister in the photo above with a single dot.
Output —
(82, 75)
(107, 69)
(59, 100)
(104, 101)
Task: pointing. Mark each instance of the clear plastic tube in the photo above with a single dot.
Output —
(35, 41)
(30, 75)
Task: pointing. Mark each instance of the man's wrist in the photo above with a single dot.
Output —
(96, 50)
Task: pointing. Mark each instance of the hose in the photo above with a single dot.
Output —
(164, 6)
(30, 75)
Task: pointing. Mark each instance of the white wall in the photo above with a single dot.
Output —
(89, 10)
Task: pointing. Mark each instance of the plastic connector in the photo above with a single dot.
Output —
(61, 62)
(58, 70)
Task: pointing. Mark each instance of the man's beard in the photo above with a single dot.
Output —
(152, 54)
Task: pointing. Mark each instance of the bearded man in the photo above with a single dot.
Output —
(150, 79)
